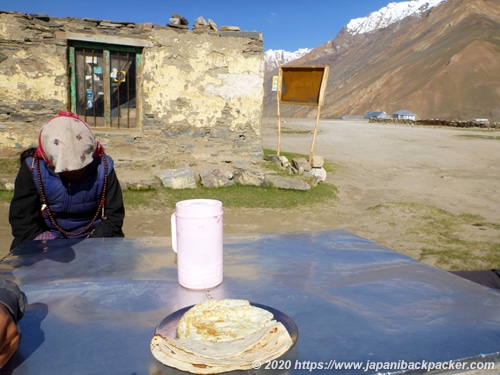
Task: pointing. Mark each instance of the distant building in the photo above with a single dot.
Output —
(481, 121)
(381, 115)
(404, 114)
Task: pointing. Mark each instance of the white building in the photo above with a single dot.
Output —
(404, 114)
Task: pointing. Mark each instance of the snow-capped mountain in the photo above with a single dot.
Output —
(416, 55)
(279, 57)
(390, 14)
(379, 19)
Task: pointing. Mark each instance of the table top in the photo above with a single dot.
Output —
(94, 304)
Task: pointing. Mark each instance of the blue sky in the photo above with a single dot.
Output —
(284, 24)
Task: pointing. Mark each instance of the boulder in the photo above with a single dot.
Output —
(320, 173)
(290, 183)
(249, 178)
(184, 178)
(214, 178)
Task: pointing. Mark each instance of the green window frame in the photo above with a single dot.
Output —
(104, 84)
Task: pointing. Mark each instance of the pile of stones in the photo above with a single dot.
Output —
(309, 175)
(200, 24)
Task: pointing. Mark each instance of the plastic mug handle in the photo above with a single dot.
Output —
(173, 225)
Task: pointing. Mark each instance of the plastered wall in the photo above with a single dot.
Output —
(201, 93)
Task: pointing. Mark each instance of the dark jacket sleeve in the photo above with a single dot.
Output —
(12, 298)
(114, 211)
(24, 213)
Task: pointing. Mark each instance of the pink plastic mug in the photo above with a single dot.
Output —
(197, 238)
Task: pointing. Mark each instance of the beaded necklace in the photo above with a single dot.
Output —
(51, 216)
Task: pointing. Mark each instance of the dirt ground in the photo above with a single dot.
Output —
(391, 180)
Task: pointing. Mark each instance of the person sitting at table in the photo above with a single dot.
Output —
(11, 312)
(489, 278)
(66, 187)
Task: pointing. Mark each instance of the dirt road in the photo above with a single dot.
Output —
(455, 170)
(409, 188)
(394, 180)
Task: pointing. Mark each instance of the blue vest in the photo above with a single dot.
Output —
(73, 204)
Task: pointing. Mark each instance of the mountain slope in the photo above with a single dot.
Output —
(443, 64)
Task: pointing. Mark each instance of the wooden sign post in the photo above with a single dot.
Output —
(302, 85)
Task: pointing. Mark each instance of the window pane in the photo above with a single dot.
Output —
(123, 89)
(90, 85)
(106, 95)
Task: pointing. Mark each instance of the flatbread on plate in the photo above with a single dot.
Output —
(223, 320)
(215, 337)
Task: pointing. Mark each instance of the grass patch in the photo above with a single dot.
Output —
(9, 165)
(465, 255)
(6, 196)
(237, 196)
(300, 132)
(453, 242)
(481, 136)
(233, 196)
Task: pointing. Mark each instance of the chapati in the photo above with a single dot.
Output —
(213, 337)
(223, 320)
(210, 357)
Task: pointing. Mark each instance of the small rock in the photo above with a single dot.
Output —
(292, 170)
(178, 21)
(317, 161)
(301, 164)
(6, 185)
(200, 21)
(280, 161)
(213, 25)
(229, 28)
(273, 158)
(140, 184)
(183, 21)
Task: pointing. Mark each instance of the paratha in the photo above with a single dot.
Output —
(223, 320)
(221, 346)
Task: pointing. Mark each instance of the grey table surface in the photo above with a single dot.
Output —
(94, 305)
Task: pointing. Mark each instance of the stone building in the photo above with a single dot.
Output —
(165, 94)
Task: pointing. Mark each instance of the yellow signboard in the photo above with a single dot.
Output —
(304, 85)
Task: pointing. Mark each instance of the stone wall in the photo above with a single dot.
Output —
(436, 122)
(201, 91)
